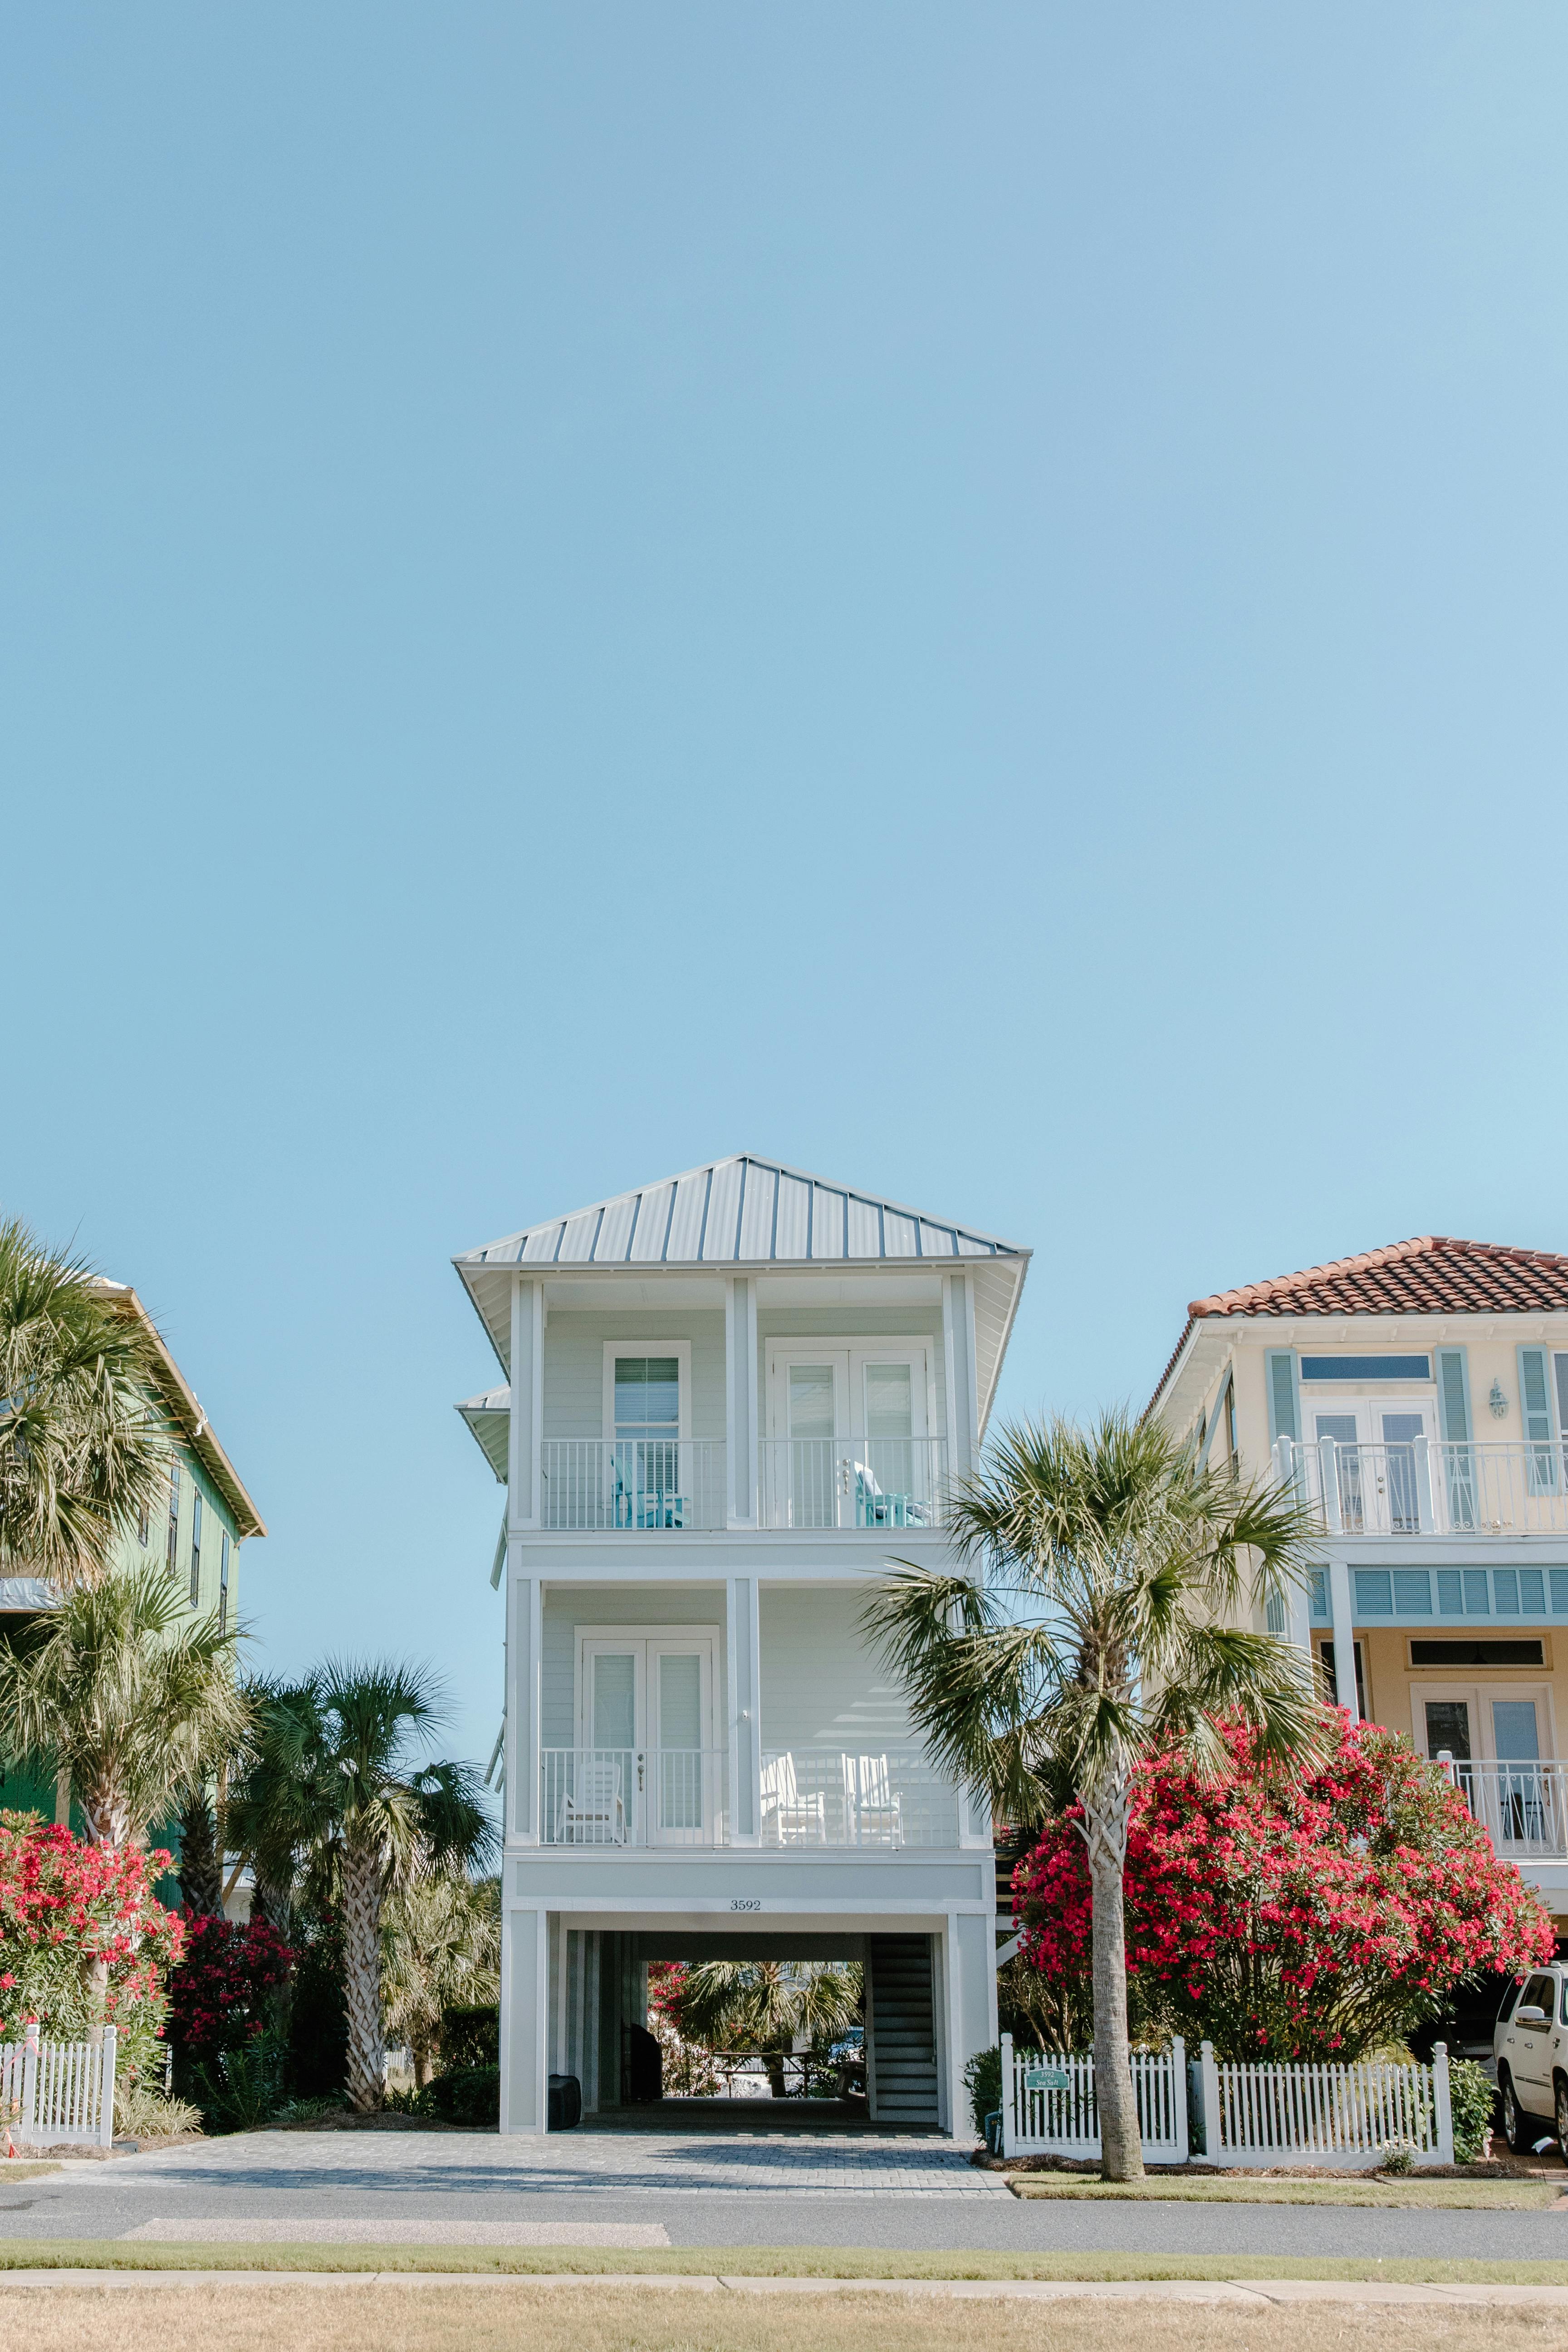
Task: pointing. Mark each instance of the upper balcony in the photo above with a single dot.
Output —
(1430, 1487)
(663, 1484)
(741, 1348)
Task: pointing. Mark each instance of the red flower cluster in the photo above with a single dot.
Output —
(63, 1903)
(1293, 1915)
(217, 1994)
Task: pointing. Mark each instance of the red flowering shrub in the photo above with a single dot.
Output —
(217, 1995)
(64, 1906)
(1286, 1916)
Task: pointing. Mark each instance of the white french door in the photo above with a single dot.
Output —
(847, 1425)
(646, 1719)
(1376, 1461)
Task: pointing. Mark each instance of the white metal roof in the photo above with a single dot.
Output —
(740, 1212)
(751, 1212)
(487, 1418)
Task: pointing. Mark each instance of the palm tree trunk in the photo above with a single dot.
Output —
(1105, 1831)
(361, 1972)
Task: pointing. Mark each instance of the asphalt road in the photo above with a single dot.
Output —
(605, 2189)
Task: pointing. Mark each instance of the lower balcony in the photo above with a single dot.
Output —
(810, 1797)
(606, 1485)
(1523, 1807)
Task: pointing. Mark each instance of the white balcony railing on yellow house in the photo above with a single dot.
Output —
(1430, 1487)
(1522, 1806)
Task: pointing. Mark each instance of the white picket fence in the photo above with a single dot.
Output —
(58, 2094)
(1249, 2116)
(1049, 2102)
(1337, 2117)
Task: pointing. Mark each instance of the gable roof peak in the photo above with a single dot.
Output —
(742, 1210)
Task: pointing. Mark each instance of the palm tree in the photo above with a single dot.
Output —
(440, 1950)
(764, 2007)
(334, 1795)
(1098, 1630)
(83, 1450)
(122, 1689)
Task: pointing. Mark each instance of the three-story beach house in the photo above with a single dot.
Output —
(731, 1398)
(1417, 1396)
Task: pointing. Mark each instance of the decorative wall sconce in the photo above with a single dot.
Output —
(1498, 1402)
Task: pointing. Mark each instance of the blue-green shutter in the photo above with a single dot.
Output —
(1454, 1421)
(1535, 1403)
(1284, 1405)
(1454, 1395)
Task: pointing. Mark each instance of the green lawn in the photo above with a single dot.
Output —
(765, 2262)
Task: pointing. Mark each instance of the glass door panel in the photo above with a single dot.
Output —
(606, 1771)
(1342, 1427)
(681, 1738)
(813, 1422)
(1400, 1430)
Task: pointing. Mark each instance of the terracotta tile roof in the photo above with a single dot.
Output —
(1431, 1275)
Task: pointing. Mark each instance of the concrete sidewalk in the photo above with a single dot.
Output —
(1253, 2293)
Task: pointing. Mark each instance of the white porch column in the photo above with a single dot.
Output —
(525, 2021)
(968, 1980)
(963, 1391)
(527, 1402)
(1344, 1635)
(743, 1646)
(741, 1415)
(523, 1601)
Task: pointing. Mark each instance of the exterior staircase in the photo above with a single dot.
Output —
(904, 2039)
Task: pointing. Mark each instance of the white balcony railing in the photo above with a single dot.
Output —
(1430, 1487)
(853, 1482)
(820, 1796)
(633, 1796)
(632, 1482)
(1523, 1808)
(639, 1797)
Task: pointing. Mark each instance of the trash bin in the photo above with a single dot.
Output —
(565, 2102)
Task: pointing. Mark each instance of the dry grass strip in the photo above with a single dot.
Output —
(1468, 2196)
(853, 2263)
(683, 2319)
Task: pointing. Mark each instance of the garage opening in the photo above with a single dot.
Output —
(723, 2031)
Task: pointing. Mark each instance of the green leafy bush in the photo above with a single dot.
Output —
(468, 2094)
(1472, 2096)
(983, 2081)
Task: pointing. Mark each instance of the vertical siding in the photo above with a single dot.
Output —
(618, 1604)
(822, 1685)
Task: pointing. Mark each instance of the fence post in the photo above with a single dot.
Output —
(1006, 2095)
(1209, 2075)
(1179, 2098)
(106, 2090)
(1441, 2101)
(30, 2081)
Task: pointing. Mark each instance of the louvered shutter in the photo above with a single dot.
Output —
(1284, 1419)
(1454, 1416)
(1535, 1402)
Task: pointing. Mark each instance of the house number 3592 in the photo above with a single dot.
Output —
(746, 1902)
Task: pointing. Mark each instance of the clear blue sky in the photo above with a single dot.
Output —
(973, 596)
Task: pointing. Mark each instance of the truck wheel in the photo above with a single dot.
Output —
(1513, 2124)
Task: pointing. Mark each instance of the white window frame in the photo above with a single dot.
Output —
(679, 1348)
